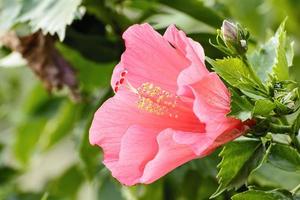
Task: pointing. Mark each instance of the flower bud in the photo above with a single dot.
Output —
(286, 102)
(234, 37)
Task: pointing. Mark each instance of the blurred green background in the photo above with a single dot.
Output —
(44, 149)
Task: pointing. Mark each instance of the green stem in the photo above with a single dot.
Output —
(295, 142)
(296, 189)
(277, 128)
(283, 120)
(262, 88)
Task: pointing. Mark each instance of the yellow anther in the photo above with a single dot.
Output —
(155, 100)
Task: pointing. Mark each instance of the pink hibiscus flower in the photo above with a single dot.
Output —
(167, 109)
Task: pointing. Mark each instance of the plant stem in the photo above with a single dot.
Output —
(295, 142)
(295, 190)
(277, 128)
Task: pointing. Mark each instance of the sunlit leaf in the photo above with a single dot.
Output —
(48, 16)
(285, 157)
(10, 9)
(238, 160)
(264, 195)
(238, 74)
(271, 58)
(68, 184)
(263, 107)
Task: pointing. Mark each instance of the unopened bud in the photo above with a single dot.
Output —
(287, 102)
(234, 37)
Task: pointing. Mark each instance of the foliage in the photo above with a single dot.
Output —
(44, 148)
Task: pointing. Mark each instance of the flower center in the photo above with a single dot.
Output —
(155, 100)
(151, 98)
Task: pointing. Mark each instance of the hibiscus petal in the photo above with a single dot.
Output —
(199, 143)
(211, 105)
(149, 58)
(212, 98)
(170, 155)
(193, 51)
(218, 133)
(138, 146)
(112, 120)
(120, 112)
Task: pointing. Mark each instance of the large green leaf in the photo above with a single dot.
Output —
(272, 58)
(46, 15)
(37, 107)
(238, 74)
(6, 174)
(238, 160)
(109, 189)
(145, 192)
(10, 9)
(91, 155)
(270, 176)
(285, 157)
(61, 124)
(263, 107)
(67, 185)
(27, 136)
(264, 195)
(91, 75)
(197, 10)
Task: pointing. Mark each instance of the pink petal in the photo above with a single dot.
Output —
(138, 146)
(199, 143)
(212, 98)
(218, 133)
(169, 156)
(211, 105)
(193, 51)
(112, 120)
(149, 58)
(120, 112)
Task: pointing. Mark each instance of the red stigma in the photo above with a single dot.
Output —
(122, 80)
(123, 73)
(116, 89)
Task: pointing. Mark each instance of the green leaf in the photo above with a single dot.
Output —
(145, 192)
(91, 155)
(27, 136)
(284, 157)
(263, 195)
(10, 10)
(238, 160)
(1, 147)
(108, 189)
(274, 57)
(270, 176)
(45, 196)
(241, 107)
(6, 174)
(61, 124)
(48, 15)
(197, 10)
(91, 75)
(296, 124)
(263, 107)
(67, 185)
(238, 74)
